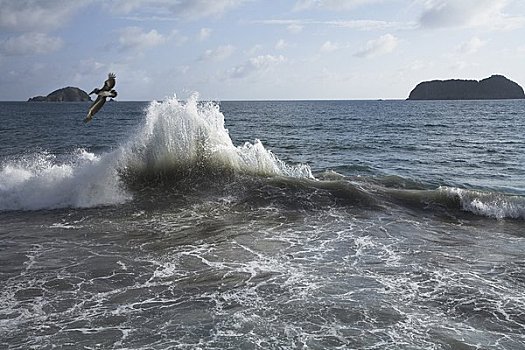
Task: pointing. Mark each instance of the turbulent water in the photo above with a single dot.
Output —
(263, 225)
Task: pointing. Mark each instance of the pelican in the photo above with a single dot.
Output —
(106, 91)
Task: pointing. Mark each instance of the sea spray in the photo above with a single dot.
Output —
(177, 141)
(39, 181)
(489, 204)
(185, 138)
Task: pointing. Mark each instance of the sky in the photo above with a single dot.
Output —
(256, 49)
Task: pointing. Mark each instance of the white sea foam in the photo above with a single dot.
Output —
(175, 136)
(40, 181)
(489, 204)
(178, 136)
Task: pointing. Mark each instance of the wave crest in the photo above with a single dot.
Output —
(176, 141)
(489, 204)
(39, 181)
(179, 139)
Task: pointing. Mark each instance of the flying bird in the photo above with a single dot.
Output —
(102, 94)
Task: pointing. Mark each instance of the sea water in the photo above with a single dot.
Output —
(263, 225)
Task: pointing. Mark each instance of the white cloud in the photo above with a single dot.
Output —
(183, 69)
(329, 46)
(266, 61)
(281, 45)
(34, 18)
(88, 68)
(219, 54)
(336, 5)
(378, 47)
(203, 8)
(254, 50)
(127, 6)
(30, 43)
(459, 65)
(136, 39)
(185, 9)
(468, 13)
(37, 15)
(295, 28)
(89, 65)
(177, 37)
(204, 33)
(471, 46)
(365, 24)
(255, 64)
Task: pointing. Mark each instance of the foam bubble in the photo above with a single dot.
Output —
(39, 181)
(175, 138)
(190, 136)
(489, 204)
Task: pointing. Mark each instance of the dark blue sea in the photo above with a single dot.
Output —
(263, 225)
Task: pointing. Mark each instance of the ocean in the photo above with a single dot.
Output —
(184, 224)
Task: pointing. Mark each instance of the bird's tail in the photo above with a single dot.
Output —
(113, 93)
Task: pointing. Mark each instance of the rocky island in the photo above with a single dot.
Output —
(494, 88)
(67, 94)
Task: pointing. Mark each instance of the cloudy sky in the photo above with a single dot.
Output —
(256, 49)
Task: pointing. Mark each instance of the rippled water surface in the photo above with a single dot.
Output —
(263, 225)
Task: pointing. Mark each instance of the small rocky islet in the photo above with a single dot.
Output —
(67, 94)
(494, 88)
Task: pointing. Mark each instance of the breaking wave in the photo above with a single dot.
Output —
(180, 139)
(183, 143)
(489, 204)
(176, 139)
(40, 181)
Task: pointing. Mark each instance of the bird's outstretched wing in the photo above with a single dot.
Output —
(95, 107)
(109, 83)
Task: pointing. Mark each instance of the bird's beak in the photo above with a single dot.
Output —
(92, 92)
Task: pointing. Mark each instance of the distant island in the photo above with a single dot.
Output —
(494, 88)
(67, 94)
